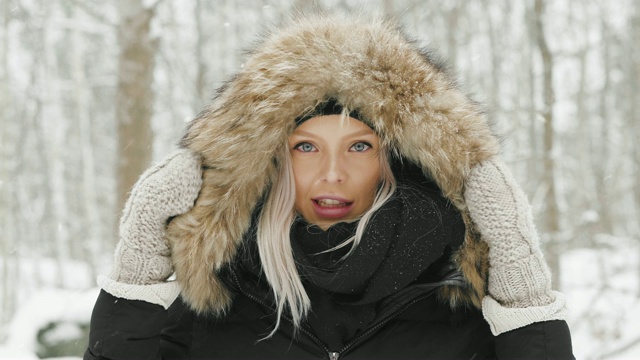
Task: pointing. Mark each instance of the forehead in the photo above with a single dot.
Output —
(333, 124)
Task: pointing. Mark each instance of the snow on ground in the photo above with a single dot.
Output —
(603, 293)
(7, 352)
(47, 306)
(48, 292)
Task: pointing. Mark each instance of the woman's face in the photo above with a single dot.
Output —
(336, 167)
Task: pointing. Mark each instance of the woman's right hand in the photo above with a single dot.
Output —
(142, 261)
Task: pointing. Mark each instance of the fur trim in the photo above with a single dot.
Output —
(407, 97)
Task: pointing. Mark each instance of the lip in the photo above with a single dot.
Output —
(334, 212)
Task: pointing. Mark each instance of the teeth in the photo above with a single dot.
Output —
(329, 202)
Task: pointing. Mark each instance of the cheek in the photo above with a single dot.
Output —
(301, 189)
(370, 176)
(300, 175)
(302, 182)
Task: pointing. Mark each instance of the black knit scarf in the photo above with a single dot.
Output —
(405, 236)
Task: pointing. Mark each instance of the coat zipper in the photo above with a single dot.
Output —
(383, 322)
(332, 355)
(335, 355)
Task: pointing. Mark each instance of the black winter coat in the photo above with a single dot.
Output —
(414, 324)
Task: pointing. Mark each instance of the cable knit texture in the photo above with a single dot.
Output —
(519, 278)
(143, 256)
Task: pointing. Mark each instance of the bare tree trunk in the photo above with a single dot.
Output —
(496, 59)
(134, 97)
(201, 75)
(634, 109)
(587, 193)
(231, 40)
(453, 17)
(7, 236)
(55, 141)
(533, 163)
(88, 242)
(33, 198)
(552, 213)
(601, 159)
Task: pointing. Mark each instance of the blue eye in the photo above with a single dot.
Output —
(305, 147)
(360, 146)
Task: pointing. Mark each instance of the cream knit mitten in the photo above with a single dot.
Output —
(519, 278)
(142, 261)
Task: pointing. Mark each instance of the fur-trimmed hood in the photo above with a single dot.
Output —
(407, 97)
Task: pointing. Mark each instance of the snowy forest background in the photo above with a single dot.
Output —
(91, 92)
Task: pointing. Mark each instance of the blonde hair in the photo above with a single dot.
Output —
(274, 242)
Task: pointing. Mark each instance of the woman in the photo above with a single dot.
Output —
(339, 198)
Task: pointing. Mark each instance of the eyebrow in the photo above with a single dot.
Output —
(363, 132)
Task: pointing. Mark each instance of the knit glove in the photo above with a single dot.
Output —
(142, 261)
(519, 278)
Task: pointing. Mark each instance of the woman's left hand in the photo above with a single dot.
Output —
(519, 278)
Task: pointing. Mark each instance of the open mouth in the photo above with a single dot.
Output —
(331, 203)
(332, 208)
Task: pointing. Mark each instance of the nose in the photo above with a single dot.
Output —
(333, 170)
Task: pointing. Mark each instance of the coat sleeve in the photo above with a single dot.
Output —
(124, 329)
(541, 340)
